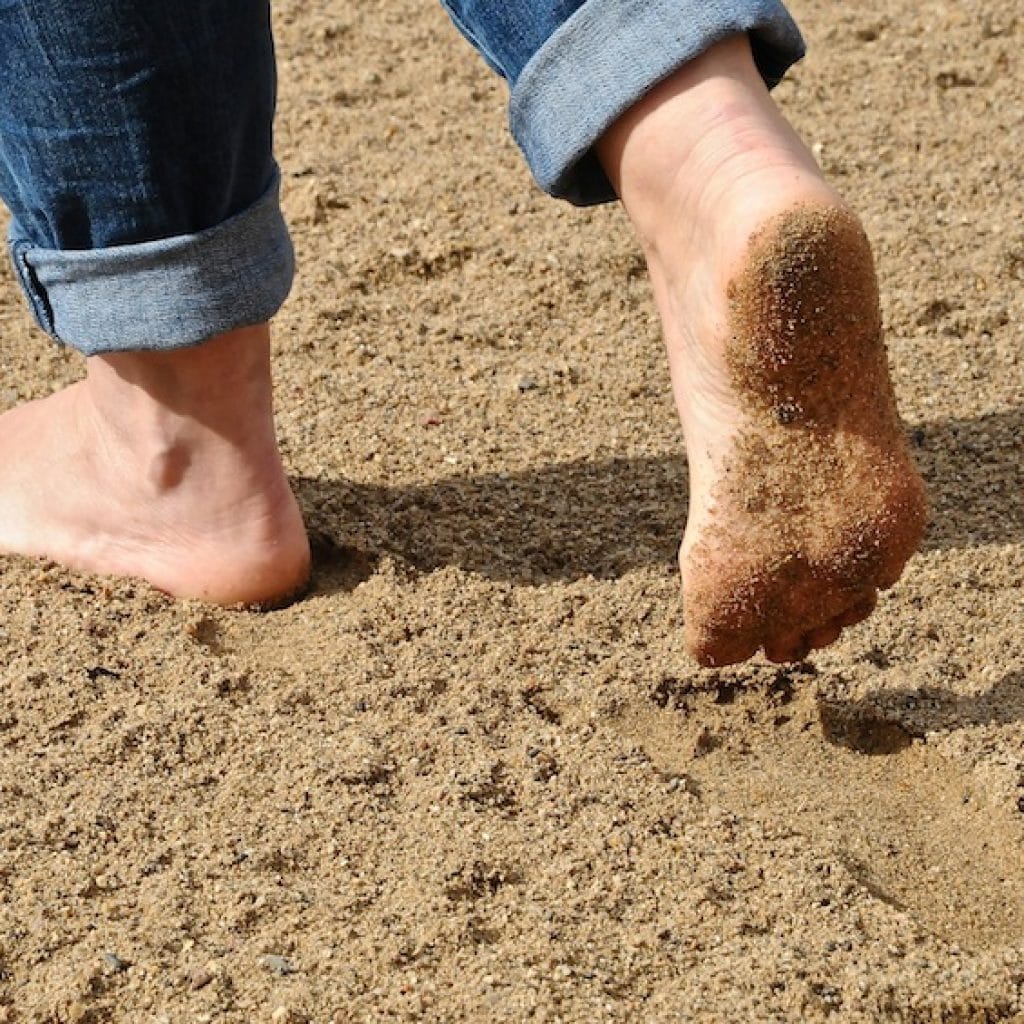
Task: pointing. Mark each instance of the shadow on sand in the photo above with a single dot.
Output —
(605, 518)
(870, 725)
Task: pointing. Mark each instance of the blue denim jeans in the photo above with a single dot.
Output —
(136, 150)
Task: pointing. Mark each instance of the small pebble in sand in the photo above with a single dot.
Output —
(280, 965)
(200, 977)
(115, 964)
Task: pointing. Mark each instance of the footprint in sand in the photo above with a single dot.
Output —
(907, 824)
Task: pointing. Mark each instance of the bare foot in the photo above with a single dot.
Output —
(161, 466)
(803, 500)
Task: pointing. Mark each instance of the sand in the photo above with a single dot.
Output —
(473, 776)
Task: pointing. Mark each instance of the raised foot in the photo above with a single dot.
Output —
(810, 503)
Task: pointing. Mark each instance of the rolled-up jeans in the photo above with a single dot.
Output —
(136, 152)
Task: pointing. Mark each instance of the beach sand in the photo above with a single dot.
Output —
(473, 776)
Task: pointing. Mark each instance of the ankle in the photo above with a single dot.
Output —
(697, 140)
(170, 415)
(222, 388)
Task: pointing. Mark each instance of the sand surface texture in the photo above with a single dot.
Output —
(472, 776)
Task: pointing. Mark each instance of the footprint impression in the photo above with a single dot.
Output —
(909, 825)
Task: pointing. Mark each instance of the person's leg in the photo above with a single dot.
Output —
(136, 161)
(803, 500)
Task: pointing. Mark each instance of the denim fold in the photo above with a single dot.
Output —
(609, 54)
(164, 294)
(136, 159)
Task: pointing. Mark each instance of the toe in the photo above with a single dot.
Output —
(722, 652)
(787, 649)
(859, 611)
(823, 636)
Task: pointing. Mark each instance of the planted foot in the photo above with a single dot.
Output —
(160, 466)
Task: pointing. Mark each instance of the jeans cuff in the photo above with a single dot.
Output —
(607, 56)
(154, 296)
